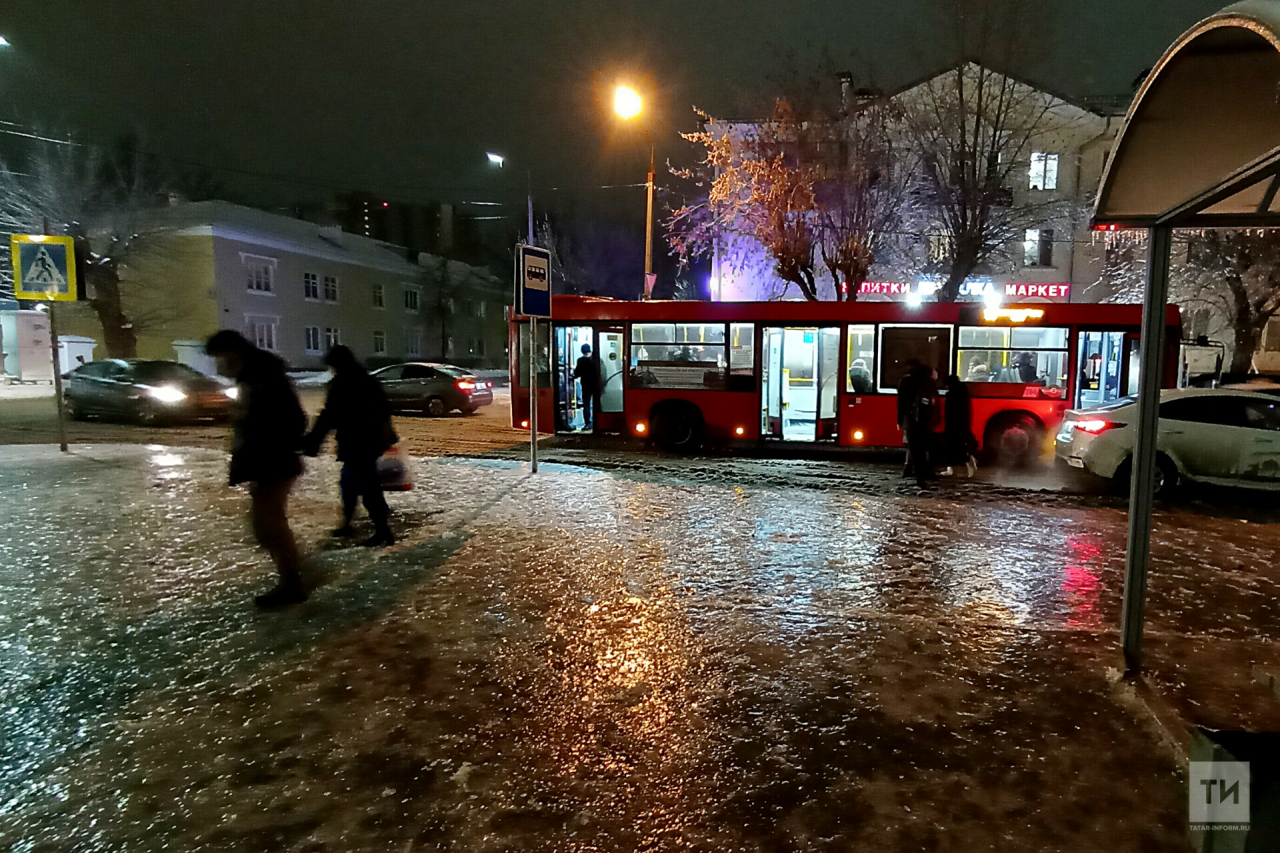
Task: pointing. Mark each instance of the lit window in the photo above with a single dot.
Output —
(331, 288)
(1037, 248)
(310, 285)
(331, 337)
(313, 340)
(379, 343)
(1044, 171)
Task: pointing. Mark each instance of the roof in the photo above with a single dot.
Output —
(1200, 145)
(271, 230)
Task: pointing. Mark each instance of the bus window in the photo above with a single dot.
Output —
(902, 344)
(742, 357)
(1028, 355)
(668, 355)
(544, 355)
(862, 359)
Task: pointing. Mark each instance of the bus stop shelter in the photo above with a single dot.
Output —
(1200, 148)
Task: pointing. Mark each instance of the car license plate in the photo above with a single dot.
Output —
(1075, 462)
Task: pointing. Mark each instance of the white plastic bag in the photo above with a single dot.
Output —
(393, 471)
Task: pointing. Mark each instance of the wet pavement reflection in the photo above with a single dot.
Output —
(599, 660)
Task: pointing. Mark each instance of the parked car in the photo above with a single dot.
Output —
(1206, 435)
(433, 389)
(149, 392)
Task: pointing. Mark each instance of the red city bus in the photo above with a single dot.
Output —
(681, 373)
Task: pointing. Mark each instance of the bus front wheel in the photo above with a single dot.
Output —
(1014, 441)
(677, 427)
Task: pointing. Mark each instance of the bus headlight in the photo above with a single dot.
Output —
(232, 393)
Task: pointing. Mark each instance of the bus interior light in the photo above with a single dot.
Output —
(1013, 315)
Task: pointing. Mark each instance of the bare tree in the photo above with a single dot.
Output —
(1233, 273)
(820, 190)
(95, 197)
(976, 131)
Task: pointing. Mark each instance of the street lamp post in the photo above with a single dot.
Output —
(628, 104)
(499, 161)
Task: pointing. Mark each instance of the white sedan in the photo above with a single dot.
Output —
(1207, 435)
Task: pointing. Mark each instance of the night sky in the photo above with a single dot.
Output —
(405, 97)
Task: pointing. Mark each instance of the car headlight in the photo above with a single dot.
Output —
(166, 394)
(232, 393)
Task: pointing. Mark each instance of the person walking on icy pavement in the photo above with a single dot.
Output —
(917, 415)
(958, 440)
(356, 407)
(265, 453)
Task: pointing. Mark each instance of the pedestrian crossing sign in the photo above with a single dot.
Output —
(44, 268)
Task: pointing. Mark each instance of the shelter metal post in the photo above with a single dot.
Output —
(1142, 485)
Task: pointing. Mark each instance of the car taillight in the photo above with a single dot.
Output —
(1095, 426)
(466, 385)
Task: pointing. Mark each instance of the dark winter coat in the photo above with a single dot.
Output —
(356, 408)
(588, 370)
(269, 424)
(960, 442)
(918, 400)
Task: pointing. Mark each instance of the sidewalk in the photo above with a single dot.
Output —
(587, 661)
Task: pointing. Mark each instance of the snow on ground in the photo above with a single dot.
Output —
(599, 660)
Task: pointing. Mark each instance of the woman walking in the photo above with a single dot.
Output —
(357, 409)
(958, 440)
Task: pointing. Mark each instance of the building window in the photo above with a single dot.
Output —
(379, 297)
(1273, 334)
(1037, 248)
(448, 346)
(313, 340)
(260, 273)
(310, 285)
(476, 346)
(479, 308)
(261, 331)
(413, 342)
(331, 337)
(330, 288)
(379, 343)
(1044, 171)
(939, 248)
(411, 297)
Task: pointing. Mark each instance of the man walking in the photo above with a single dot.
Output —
(587, 370)
(357, 409)
(265, 453)
(917, 416)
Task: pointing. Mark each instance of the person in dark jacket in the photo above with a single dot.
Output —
(587, 370)
(264, 452)
(356, 408)
(958, 439)
(917, 415)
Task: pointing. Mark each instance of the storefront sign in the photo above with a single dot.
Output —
(971, 290)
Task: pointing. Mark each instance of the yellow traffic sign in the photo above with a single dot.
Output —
(44, 268)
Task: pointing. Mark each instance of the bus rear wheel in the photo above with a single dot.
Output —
(1015, 441)
(677, 427)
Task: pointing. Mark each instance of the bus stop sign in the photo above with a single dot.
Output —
(533, 281)
(44, 268)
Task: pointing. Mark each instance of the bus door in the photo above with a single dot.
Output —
(1106, 367)
(612, 364)
(569, 343)
(800, 382)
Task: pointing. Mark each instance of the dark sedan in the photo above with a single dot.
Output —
(434, 389)
(148, 392)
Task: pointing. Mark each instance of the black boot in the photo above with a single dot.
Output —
(346, 531)
(383, 537)
(281, 596)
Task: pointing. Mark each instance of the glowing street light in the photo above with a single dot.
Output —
(496, 159)
(627, 103)
(4, 42)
